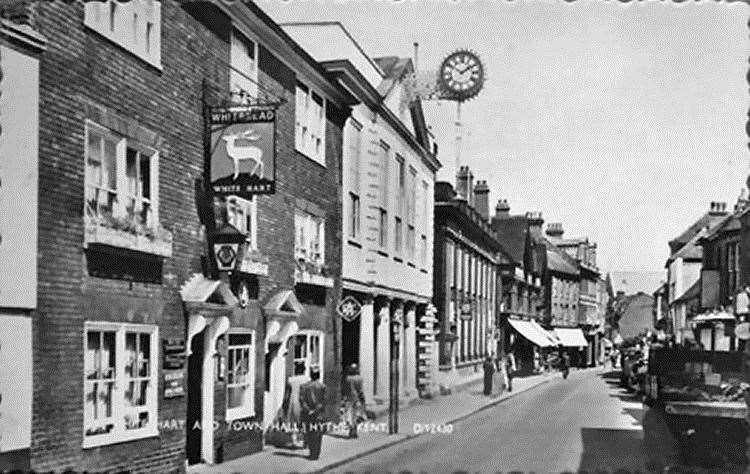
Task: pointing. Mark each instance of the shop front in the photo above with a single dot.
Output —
(527, 342)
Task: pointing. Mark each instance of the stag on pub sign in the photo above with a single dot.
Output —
(242, 151)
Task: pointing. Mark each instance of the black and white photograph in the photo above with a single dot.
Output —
(374, 236)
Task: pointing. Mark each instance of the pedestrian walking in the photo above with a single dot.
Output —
(565, 364)
(312, 396)
(510, 369)
(489, 370)
(353, 400)
(286, 428)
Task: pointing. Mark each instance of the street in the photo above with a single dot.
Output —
(585, 423)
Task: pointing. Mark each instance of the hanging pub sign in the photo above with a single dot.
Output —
(349, 308)
(243, 150)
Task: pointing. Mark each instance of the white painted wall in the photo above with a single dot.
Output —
(15, 382)
(365, 264)
(19, 175)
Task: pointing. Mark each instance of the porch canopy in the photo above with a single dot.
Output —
(571, 337)
(527, 330)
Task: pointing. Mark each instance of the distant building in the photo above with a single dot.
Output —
(634, 316)
(684, 268)
(631, 282)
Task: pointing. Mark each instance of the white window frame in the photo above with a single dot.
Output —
(242, 65)
(310, 123)
(128, 24)
(248, 409)
(307, 333)
(353, 137)
(310, 225)
(383, 228)
(122, 144)
(238, 212)
(119, 408)
(355, 217)
(398, 235)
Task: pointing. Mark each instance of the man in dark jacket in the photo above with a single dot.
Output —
(312, 397)
(489, 369)
(354, 400)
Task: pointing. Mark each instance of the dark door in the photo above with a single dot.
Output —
(349, 344)
(194, 383)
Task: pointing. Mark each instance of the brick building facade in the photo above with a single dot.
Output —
(124, 288)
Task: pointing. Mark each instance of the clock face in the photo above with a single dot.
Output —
(462, 74)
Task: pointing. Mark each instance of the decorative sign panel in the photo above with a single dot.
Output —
(243, 150)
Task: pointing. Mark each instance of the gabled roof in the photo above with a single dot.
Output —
(730, 223)
(691, 250)
(283, 303)
(394, 69)
(631, 282)
(511, 232)
(691, 293)
(199, 289)
(709, 219)
(560, 262)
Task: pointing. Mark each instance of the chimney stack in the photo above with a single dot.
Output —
(718, 208)
(555, 229)
(465, 185)
(741, 201)
(502, 209)
(482, 199)
(535, 222)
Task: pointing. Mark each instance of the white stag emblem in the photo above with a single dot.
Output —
(246, 152)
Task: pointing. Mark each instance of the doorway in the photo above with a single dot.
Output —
(194, 403)
(349, 344)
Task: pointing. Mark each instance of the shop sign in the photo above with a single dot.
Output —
(349, 308)
(174, 383)
(243, 150)
(174, 353)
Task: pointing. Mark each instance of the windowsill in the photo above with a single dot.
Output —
(319, 162)
(354, 243)
(239, 413)
(106, 440)
(96, 233)
(152, 63)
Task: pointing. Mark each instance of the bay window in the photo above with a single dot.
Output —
(134, 25)
(309, 233)
(121, 178)
(309, 123)
(120, 382)
(240, 375)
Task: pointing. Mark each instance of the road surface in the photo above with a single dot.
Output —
(585, 423)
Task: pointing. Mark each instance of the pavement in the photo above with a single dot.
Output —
(586, 423)
(426, 420)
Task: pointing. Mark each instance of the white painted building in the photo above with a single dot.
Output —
(20, 47)
(388, 183)
(684, 270)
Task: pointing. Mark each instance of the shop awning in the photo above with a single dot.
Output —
(571, 337)
(553, 341)
(527, 330)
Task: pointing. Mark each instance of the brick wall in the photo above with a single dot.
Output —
(78, 70)
(81, 72)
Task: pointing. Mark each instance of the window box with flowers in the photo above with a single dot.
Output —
(254, 263)
(309, 250)
(122, 194)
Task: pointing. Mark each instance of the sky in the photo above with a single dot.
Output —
(622, 121)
